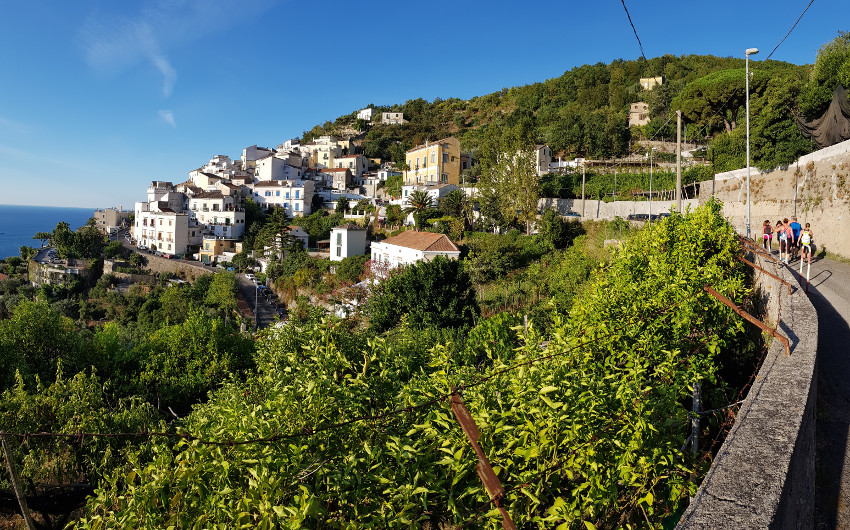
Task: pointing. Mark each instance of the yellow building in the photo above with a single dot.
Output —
(216, 249)
(434, 163)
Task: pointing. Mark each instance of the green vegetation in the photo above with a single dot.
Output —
(592, 419)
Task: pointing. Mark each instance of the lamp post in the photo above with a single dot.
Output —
(747, 53)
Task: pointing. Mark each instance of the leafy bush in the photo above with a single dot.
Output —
(431, 293)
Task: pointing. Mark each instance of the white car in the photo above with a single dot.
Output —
(250, 277)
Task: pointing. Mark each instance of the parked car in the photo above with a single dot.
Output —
(142, 247)
(571, 214)
(637, 217)
(166, 256)
(250, 277)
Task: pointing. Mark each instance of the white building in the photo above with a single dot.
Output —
(251, 154)
(274, 167)
(322, 152)
(393, 118)
(347, 240)
(221, 214)
(336, 178)
(365, 114)
(358, 164)
(410, 247)
(296, 196)
(435, 191)
(163, 230)
(542, 159)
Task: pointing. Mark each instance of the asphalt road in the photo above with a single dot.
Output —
(265, 311)
(829, 292)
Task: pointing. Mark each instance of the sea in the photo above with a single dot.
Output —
(19, 223)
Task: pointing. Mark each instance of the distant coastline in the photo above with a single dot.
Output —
(19, 223)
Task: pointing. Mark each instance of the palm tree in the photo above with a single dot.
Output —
(418, 202)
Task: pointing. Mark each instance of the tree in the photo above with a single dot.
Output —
(44, 237)
(112, 250)
(350, 269)
(395, 214)
(556, 232)
(509, 180)
(418, 202)
(454, 203)
(431, 293)
(832, 67)
(718, 97)
(222, 292)
(275, 232)
(342, 205)
(393, 186)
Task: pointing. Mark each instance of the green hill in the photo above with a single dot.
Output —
(584, 112)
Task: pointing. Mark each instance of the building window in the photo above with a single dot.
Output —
(453, 159)
(278, 193)
(297, 206)
(445, 177)
(169, 246)
(338, 252)
(339, 238)
(169, 222)
(445, 157)
(297, 194)
(287, 194)
(433, 157)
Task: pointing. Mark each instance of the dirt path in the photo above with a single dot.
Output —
(830, 293)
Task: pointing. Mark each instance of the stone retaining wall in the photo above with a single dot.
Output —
(184, 269)
(764, 473)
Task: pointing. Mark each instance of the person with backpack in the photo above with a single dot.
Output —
(767, 236)
(806, 240)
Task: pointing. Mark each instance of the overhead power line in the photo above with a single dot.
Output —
(633, 28)
(790, 30)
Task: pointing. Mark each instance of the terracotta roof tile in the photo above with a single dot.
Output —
(425, 241)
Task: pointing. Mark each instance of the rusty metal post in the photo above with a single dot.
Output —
(16, 482)
(750, 318)
(775, 277)
(485, 470)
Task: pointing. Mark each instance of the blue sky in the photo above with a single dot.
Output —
(99, 98)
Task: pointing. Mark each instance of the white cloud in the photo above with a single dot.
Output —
(118, 42)
(169, 74)
(168, 117)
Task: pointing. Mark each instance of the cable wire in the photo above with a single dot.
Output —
(633, 28)
(790, 30)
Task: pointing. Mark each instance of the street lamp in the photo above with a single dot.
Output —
(747, 53)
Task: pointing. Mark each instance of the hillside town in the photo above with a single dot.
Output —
(203, 218)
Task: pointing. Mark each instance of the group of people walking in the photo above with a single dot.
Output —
(794, 240)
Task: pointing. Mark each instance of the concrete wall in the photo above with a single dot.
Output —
(816, 189)
(594, 209)
(764, 473)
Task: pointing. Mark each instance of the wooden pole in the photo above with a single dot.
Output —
(16, 482)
